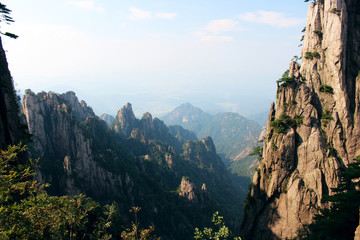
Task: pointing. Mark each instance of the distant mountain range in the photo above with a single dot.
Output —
(234, 135)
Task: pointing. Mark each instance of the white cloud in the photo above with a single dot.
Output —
(214, 29)
(271, 18)
(214, 38)
(165, 15)
(222, 25)
(156, 35)
(139, 14)
(88, 5)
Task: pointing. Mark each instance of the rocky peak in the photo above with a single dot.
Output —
(147, 125)
(81, 109)
(125, 121)
(313, 132)
(209, 144)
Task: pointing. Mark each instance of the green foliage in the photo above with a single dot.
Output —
(336, 11)
(316, 55)
(256, 151)
(326, 115)
(326, 89)
(135, 233)
(209, 233)
(340, 220)
(285, 79)
(312, 55)
(27, 212)
(279, 126)
(5, 17)
(319, 33)
(285, 122)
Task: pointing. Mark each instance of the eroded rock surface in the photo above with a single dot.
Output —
(313, 132)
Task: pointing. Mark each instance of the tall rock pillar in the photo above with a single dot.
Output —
(314, 131)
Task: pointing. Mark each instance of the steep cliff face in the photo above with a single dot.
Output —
(67, 158)
(313, 132)
(11, 131)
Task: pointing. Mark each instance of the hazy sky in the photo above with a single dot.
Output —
(219, 55)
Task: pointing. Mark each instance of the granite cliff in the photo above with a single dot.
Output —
(313, 132)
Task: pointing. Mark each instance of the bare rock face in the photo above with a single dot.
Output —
(57, 135)
(187, 190)
(313, 132)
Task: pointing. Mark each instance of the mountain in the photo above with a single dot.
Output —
(314, 131)
(134, 162)
(234, 135)
(187, 116)
(107, 118)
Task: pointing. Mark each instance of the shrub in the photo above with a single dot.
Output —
(326, 116)
(326, 89)
(279, 125)
(211, 233)
(308, 55)
(298, 119)
(336, 11)
(285, 79)
(316, 55)
(285, 122)
(319, 33)
(256, 151)
(312, 55)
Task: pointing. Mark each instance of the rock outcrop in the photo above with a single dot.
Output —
(313, 132)
(187, 190)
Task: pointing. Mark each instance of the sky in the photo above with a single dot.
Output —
(218, 55)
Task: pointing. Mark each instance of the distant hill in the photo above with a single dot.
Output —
(234, 135)
(188, 116)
